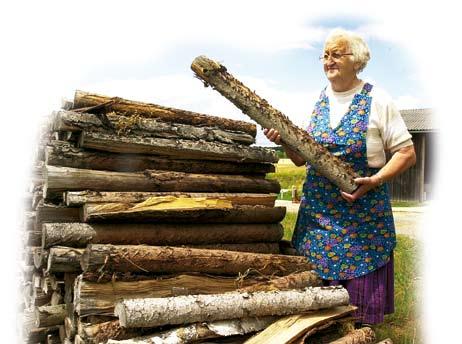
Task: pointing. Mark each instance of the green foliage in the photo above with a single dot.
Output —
(289, 175)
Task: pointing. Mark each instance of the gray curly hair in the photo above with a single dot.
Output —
(357, 45)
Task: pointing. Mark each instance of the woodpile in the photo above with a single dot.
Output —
(148, 224)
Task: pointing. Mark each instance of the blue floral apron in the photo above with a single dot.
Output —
(344, 240)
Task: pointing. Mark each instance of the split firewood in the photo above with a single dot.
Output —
(102, 332)
(287, 329)
(238, 214)
(232, 305)
(82, 234)
(201, 331)
(56, 213)
(60, 153)
(364, 335)
(130, 108)
(39, 335)
(64, 259)
(165, 259)
(41, 258)
(46, 316)
(176, 148)
(74, 121)
(79, 198)
(59, 179)
(100, 298)
(330, 166)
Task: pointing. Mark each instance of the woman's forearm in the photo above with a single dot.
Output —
(399, 162)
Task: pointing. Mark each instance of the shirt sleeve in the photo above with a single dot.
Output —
(392, 128)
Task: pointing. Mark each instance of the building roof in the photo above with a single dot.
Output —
(419, 120)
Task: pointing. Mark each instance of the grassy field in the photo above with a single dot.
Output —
(402, 326)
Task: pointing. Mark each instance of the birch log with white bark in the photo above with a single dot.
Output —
(201, 331)
(60, 153)
(129, 108)
(330, 166)
(165, 259)
(81, 234)
(75, 121)
(176, 148)
(233, 305)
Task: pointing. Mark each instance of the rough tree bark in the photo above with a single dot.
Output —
(61, 153)
(81, 234)
(333, 168)
(176, 148)
(46, 316)
(74, 121)
(364, 335)
(164, 259)
(128, 108)
(64, 259)
(233, 305)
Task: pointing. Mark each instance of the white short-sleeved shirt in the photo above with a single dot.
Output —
(386, 130)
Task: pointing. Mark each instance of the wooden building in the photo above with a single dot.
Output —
(416, 183)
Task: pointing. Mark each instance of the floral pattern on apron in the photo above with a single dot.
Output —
(344, 240)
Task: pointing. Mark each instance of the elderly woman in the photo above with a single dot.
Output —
(350, 237)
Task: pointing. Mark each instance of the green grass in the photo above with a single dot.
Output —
(402, 326)
(288, 176)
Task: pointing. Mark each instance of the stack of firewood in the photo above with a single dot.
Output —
(159, 223)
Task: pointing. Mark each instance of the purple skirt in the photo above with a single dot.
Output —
(373, 293)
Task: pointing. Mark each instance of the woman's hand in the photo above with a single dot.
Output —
(272, 135)
(365, 184)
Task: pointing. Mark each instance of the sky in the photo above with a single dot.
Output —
(142, 50)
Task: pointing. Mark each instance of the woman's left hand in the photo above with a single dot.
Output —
(365, 184)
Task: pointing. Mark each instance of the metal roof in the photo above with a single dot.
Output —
(419, 119)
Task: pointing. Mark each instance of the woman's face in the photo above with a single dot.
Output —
(338, 63)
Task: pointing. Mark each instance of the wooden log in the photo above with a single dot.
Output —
(28, 222)
(61, 179)
(59, 153)
(81, 234)
(29, 253)
(176, 148)
(46, 316)
(233, 305)
(64, 259)
(56, 298)
(102, 332)
(256, 247)
(39, 298)
(75, 121)
(238, 214)
(41, 258)
(79, 198)
(288, 329)
(202, 331)
(364, 335)
(330, 166)
(164, 259)
(55, 213)
(39, 335)
(100, 298)
(69, 281)
(32, 238)
(53, 339)
(129, 108)
(70, 327)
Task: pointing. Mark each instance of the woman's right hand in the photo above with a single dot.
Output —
(272, 135)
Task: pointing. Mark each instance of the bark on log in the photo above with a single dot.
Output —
(333, 168)
(32, 238)
(81, 234)
(39, 298)
(197, 308)
(100, 298)
(79, 198)
(201, 331)
(61, 179)
(64, 259)
(41, 258)
(129, 108)
(74, 121)
(257, 247)
(238, 214)
(176, 148)
(288, 329)
(364, 335)
(46, 316)
(156, 259)
(39, 335)
(59, 153)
